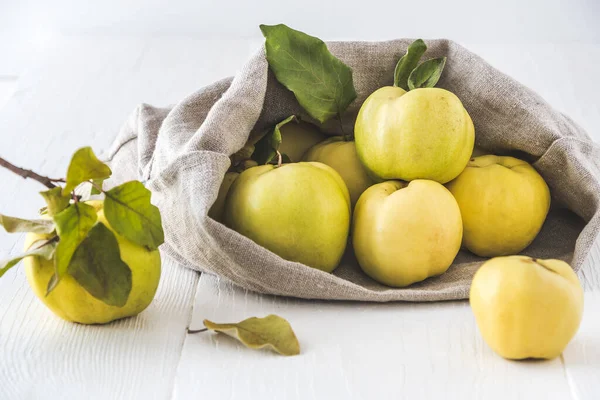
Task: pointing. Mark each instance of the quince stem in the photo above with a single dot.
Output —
(27, 173)
(279, 159)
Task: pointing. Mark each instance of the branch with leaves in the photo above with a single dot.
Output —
(79, 243)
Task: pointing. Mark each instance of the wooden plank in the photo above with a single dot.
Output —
(582, 357)
(43, 356)
(354, 351)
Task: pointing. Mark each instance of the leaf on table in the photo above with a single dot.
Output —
(267, 147)
(408, 62)
(129, 212)
(427, 74)
(83, 167)
(302, 63)
(14, 224)
(72, 226)
(271, 331)
(97, 266)
(40, 248)
(55, 199)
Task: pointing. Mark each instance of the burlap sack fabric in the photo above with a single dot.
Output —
(183, 153)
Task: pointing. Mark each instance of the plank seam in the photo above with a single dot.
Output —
(185, 336)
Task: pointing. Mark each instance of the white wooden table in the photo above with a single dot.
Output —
(80, 92)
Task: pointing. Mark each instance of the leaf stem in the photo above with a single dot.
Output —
(346, 136)
(98, 187)
(189, 331)
(27, 173)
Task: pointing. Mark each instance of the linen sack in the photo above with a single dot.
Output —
(182, 153)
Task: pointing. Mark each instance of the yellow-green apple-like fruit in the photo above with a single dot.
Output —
(72, 302)
(297, 138)
(421, 134)
(406, 232)
(299, 211)
(217, 209)
(503, 201)
(526, 307)
(341, 155)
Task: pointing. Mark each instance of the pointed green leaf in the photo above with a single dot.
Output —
(13, 224)
(427, 74)
(98, 268)
(408, 63)
(55, 200)
(321, 83)
(83, 167)
(72, 226)
(271, 331)
(129, 212)
(41, 248)
(267, 147)
(97, 182)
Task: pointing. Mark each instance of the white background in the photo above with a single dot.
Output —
(27, 25)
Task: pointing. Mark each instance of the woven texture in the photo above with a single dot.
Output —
(183, 153)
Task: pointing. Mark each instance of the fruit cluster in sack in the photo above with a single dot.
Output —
(407, 189)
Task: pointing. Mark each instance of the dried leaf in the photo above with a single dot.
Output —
(271, 331)
(41, 248)
(14, 224)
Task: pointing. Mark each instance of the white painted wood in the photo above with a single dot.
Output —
(45, 357)
(80, 93)
(365, 351)
(582, 357)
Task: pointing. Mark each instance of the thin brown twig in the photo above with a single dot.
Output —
(196, 330)
(27, 173)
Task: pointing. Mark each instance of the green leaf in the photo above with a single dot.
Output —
(271, 331)
(55, 200)
(427, 74)
(129, 212)
(267, 147)
(98, 268)
(83, 167)
(408, 63)
(321, 83)
(72, 226)
(98, 182)
(13, 224)
(41, 248)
